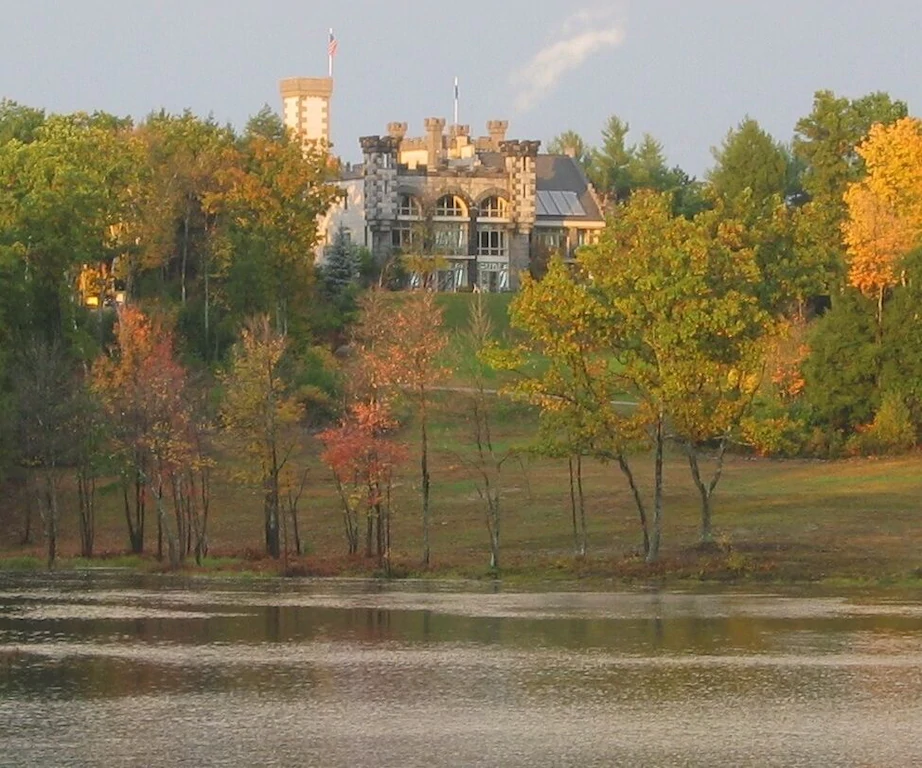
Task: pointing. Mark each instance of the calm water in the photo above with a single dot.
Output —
(116, 670)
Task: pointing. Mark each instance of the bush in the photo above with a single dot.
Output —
(891, 431)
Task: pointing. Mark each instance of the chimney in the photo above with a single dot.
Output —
(434, 128)
(497, 130)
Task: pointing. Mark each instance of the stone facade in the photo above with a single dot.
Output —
(469, 202)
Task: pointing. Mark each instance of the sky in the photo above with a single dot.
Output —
(685, 71)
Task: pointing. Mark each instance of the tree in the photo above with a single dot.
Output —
(262, 417)
(662, 309)
(416, 345)
(609, 171)
(19, 122)
(341, 263)
(884, 220)
(488, 461)
(45, 404)
(567, 324)
(363, 459)
(826, 142)
(58, 203)
(268, 125)
(750, 160)
(273, 202)
(141, 386)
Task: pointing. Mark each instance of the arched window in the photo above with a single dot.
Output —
(494, 207)
(450, 206)
(409, 206)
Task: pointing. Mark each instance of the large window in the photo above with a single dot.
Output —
(450, 206)
(450, 239)
(409, 206)
(552, 241)
(492, 276)
(491, 241)
(494, 208)
(403, 237)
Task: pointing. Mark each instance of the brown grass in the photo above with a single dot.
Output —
(791, 520)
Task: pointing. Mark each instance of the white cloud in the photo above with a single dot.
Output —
(580, 36)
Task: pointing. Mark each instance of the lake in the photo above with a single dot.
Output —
(116, 669)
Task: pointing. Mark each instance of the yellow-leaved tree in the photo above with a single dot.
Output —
(263, 418)
(885, 208)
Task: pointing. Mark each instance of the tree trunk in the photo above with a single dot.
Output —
(706, 490)
(86, 492)
(185, 253)
(51, 523)
(424, 470)
(638, 501)
(581, 498)
(135, 517)
(573, 505)
(494, 530)
(653, 553)
(163, 528)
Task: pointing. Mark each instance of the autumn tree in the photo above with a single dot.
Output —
(263, 418)
(273, 202)
(578, 390)
(417, 342)
(826, 143)
(141, 386)
(362, 451)
(364, 457)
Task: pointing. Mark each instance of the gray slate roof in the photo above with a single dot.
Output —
(562, 173)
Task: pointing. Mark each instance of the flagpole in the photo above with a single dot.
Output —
(456, 100)
(330, 53)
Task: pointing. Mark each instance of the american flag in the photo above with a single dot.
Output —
(331, 48)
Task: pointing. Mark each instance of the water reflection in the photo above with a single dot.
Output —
(114, 669)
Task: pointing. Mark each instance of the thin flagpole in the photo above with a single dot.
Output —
(456, 100)
(331, 49)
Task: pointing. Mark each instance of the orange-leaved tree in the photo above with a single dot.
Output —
(141, 386)
(363, 459)
(371, 376)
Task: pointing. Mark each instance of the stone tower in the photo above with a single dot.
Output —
(380, 174)
(306, 107)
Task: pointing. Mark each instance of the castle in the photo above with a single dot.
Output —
(487, 207)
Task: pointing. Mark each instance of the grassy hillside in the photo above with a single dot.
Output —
(854, 520)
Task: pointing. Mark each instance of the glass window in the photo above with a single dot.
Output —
(454, 277)
(494, 208)
(491, 241)
(403, 238)
(552, 240)
(450, 239)
(450, 205)
(409, 206)
(493, 276)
